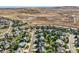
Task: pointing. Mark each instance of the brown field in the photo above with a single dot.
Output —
(61, 16)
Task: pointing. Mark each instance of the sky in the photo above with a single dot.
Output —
(39, 3)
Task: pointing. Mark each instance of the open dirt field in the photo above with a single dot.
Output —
(62, 16)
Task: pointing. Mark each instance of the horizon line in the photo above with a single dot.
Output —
(33, 6)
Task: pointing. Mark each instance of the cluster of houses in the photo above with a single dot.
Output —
(58, 36)
(4, 22)
(49, 38)
(15, 39)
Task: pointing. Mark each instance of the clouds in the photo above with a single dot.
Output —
(39, 2)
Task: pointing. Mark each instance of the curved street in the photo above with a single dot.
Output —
(71, 43)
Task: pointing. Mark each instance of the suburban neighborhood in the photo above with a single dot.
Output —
(39, 30)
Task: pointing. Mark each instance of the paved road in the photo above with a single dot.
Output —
(32, 41)
(71, 44)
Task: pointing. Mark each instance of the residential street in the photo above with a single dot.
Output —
(71, 43)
